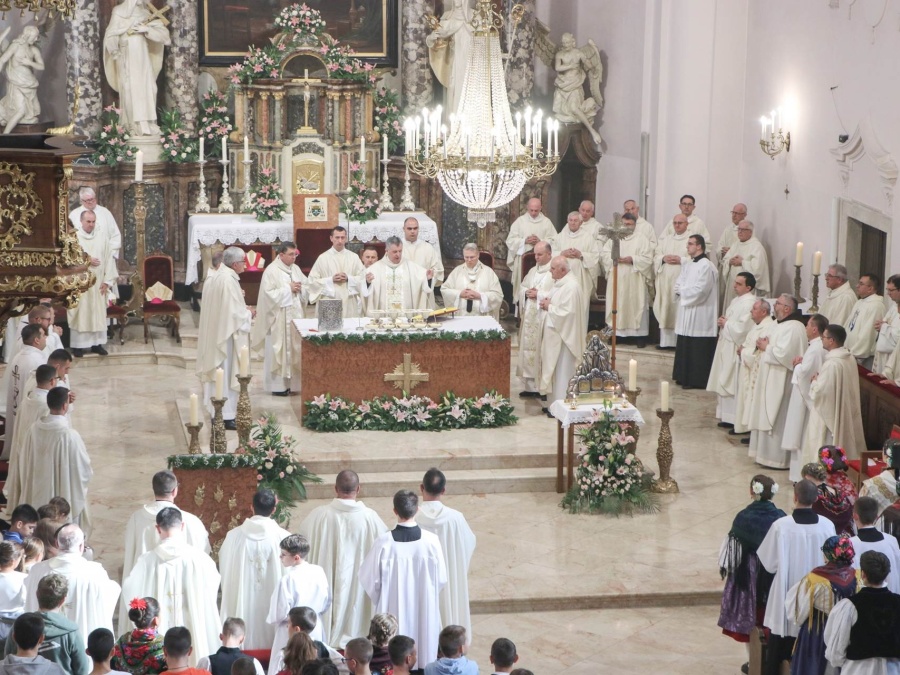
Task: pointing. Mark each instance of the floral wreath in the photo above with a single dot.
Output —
(758, 488)
(827, 457)
(138, 603)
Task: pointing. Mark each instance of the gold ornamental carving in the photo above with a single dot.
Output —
(27, 259)
(200, 494)
(19, 204)
(72, 253)
(219, 494)
(49, 286)
(215, 525)
(407, 375)
(232, 502)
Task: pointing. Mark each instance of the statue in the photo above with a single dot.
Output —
(133, 56)
(449, 45)
(19, 61)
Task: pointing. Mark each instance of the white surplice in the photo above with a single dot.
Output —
(800, 404)
(665, 307)
(523, 227)
(481, 279)
(405, 578)
(91, 601)
(185, 582)
(340, 534)
(837, 639)
(724, 375)
(749, 369)
(87, 321)
(250, 565)
(321, 281)
(861, 326)
(531, 325)
(396, 287)
(633, 280)
(754, 260)
(838, 304)
(458, 545)
(563, 337)
(302, 585)
(883, 543)
(24, 363)
(697, 290)
(887, 339)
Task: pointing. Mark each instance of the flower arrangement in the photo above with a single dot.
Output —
(112, 139)
(215, 124)
(259, 63)
(409, 413)
(758, 488)
(268, 202)
(179, 146)
(387, 117)
(609, 477)
(361, 203)
(827, 455)
(398, 338)
(300, 22)
(342, 64)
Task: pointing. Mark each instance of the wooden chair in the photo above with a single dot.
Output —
(252, 277)
(119, 314)
(528, 261)
(311, 244)
(378, 246)
(158, 268)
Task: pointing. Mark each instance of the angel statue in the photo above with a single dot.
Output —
(573, 66)
(20, 60)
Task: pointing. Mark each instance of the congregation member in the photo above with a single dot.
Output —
(25, 362)
(860, 325)
(729, 237)
(840, 298)
(749, 366)
(869, 538)
(452, 659)
(423, 254)
(686, 205)
(734, 325)
(697, 293)
(59, 640)
(536, 285)
(503, 655)
(250, 565)
(635, 265)
(404, 573)
(139, 651)
(403, 654)
(22, 522)
(283, 292)
(224, 328)
(457, 544)
(234, 631)
(582, 251)
(525, 231)
(588, 222)
(382, 629)
(100, 647)
(87, 321)
(887, 329)
(181, 655)
(337, 275)
(358, 655)
(671, 252)
(831, 503)
(27, 633)
(396, 284)
(641, 226)
(772, 393)
(340, 535)
(473, 287)
(105, 220)
(33, 408)
(747, 254)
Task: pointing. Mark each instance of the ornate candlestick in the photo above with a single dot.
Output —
(797, 280)
(244, 417)
(406, 201)
(386, 203)
(632, 395)
(247, 202)
(815, 295)
(217, 444)
(194, 443)
(225, 205)
(202, 201)
(664, 454)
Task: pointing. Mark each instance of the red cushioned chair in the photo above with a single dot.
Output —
(528, 262)
(378, 246)
(251, 277)
(119, 314)
(158, 268)
(486, 258)
(311, 244)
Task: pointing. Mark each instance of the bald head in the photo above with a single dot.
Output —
(680, 223)
(534, 207)
(559, 267)
(346, 485)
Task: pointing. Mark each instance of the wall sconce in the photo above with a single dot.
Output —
(771, 141)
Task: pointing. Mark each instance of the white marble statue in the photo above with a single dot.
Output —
(133, 56)
(19, 61)
(449, 45)
(574, 65)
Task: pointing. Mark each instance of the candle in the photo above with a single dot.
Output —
(385, 148)
(306, 73)
(224, 148)
(799, 259)
(220, 383)
(362, 148)
(518, 126)
(762, 130)
(246, 147)
(632, 375)
(664, 396)
(817, 262)
(195, 410)
(244, 361)
(139, 166)
(202, 140)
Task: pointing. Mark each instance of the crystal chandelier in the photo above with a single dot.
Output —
(485, 158)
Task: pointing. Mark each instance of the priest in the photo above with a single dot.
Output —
(526, 230)
(25, 362)
(223, 330)
(583, 253)
(536, 285)
(729, 234)
(87, 321)
(564, 330)
(33, 408)
(341, 533)
(840, 298)
(250, 565)
(422, 253)
(283, 292)
(106, 222)
(734, 326)
(749, 368)
(697, 291)
(336, 275)
(768, 409)
(635, 274)
(183, 579)
(473, 288)
(671, 252)
(396, 284)
(888, 327)
(641, 225)
(835, 417)
(458, 545)
(588, 222)
(746, 255)
(686, 205)
(861, 324)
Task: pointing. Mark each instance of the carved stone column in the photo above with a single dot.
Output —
(520, 70)
(182, 57)
(418, 82)
(84, 49)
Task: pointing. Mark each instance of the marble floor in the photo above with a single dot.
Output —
(577, 593)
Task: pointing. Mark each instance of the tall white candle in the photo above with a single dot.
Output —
(246, 147)
(220, 383)
(632, 375)
(202, 142)
(139, 166)
(195, 410)
(244, 361)
(762, 128)
(664, 395)
(798, 261)
(385, 147)
(817, 262)
(306, 73)
(224, 148)
(362, 148)
(518, 126)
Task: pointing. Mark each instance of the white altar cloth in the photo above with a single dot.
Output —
(307, 327)
(584, 414)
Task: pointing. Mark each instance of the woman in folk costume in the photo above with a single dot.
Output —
(747, 582)
(831, 503)
(834, 459)
(811, 599)
(140, 651)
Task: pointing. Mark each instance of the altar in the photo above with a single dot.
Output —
(469, 356)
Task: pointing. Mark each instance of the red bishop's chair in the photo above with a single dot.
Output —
(528, 261)
(379, 246)
(158, 268)
(251, 277)
(311, 244)
(486, 258)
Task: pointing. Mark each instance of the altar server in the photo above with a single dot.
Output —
(396, 284)
(87, 321)
(422, 253)
(525, 231)
(336, 275)
(536, 285)
(697, 290)
(472, 287)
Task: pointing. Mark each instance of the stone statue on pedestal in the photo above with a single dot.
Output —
(133, 56)
(19, 61)
(449, 45)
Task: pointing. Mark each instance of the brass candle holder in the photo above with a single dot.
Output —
(243, 419)
(797, 281)
(665, 484)
(631, 395)
(217, 444)
(814, 308)
(194, 443)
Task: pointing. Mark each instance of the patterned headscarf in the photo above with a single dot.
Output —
(838, 550)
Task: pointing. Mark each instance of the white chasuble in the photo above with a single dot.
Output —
(749, 369)
(800, 404)
(141, 536)
(106, 222)
(303, 585)
(882, 488)
(838, 304)
(396, 287)
(695, 226)
(587, 268)
(423, 254)
(479, 278)
(322, 285)
(861, 326)
(723, 377)
(887, 340)
(90, 314)
(665, 308)
(523, 227)
(32, 409)
(531, 324)
(633, 303)
(563, 338)
(754, 260)
(16, 376)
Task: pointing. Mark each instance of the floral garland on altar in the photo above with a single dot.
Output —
(400, 338)
(179, 146)
(112, 139)
(268, 202)
(361, 203)
(215, 124)
(387, 118)
(410, 413)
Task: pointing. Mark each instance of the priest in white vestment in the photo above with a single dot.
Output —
(835, 417)
(105, 222)
(746, 255)
(250, 565)
(734, 326)
(404, 573)
(340, 534)
(768, 409)
(687, 204)
(635, 275)
(729, 234)
(185, 582)
(641, 225)
(749, 366)
(860, 326)
(33, 408)
(671, 252)
(536, 285)
(423, 254)
(223, 330)
(41, 314)
(457, 543)
(87, 321)
(473, 288)
(588, 222)
(583, 253)
(697, 293)
(283, 292)
(92, 598)
(840, 298)
(396, 284)
(564, 333)
(869, 538)
(525, 231)
(888, 328)
(24, 363)
(336, 275)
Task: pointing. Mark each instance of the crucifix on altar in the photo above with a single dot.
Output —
(407, 375)
(615, 232)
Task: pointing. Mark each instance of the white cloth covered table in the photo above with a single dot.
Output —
(308, 327)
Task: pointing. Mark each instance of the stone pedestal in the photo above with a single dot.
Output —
(83, 54)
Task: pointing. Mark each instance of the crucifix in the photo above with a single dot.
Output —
(615, 232)
(407, 376)
(155, 15)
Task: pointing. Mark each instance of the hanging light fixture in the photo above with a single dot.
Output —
(485, 158)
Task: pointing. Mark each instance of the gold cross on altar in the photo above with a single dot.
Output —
(407, 376)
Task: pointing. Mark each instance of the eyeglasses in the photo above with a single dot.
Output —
(744, 229)
(831, 276)
(739, 213)
(686, 204)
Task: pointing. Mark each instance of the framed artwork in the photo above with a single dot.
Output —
(229, 27)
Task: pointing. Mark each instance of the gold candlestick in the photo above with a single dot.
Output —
(797, 280)
(814, 308)
(194, 443)
(631, 395)
(217, 444)
(244, 417)
(665, 483)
